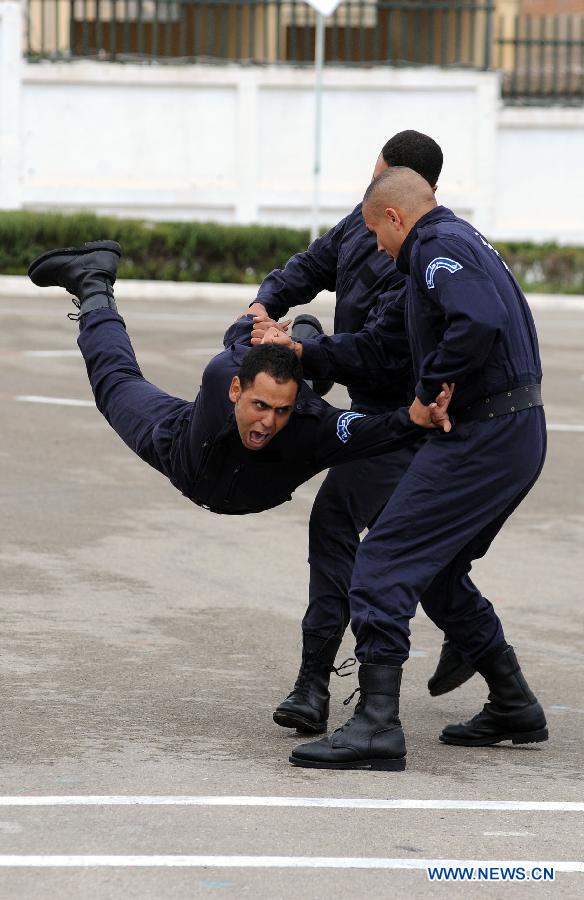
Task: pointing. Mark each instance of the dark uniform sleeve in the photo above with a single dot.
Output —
(344, 435)
(452, 279)
(304, 275)
(213, 406)
(239, 332)
(377, 354)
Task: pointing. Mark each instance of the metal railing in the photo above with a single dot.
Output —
(360, 32)
(542, 60)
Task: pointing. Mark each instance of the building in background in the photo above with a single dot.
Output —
(537, 44)
(204, 109)
(547, 7)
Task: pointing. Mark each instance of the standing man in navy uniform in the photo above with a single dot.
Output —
(468, 322)
(366, 282)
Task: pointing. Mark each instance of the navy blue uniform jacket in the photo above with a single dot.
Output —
(210, 465)
(467, 318)
(346, 260)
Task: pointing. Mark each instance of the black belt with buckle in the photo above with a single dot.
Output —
(502, 404)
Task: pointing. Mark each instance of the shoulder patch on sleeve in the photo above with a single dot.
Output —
(343, 423)
(440, 262)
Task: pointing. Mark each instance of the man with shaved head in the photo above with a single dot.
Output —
(468, 323)
(368, 291)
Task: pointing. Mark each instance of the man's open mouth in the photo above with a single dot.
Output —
(258, 438)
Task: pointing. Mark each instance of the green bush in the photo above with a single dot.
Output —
(546, 268)
(244, 254)
(174, 251)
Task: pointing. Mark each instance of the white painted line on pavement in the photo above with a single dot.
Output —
(281, 862)
(571, 429)
(200, 351)
(556, 302)
(508, 833)
(57, 401)
(50, 354)
(63, 401)
(19, 287)
(58, 354)
(221, 319)
(315, 802)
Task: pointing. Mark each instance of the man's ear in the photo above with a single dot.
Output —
(393, 216)
(434, 188)
(235, 389)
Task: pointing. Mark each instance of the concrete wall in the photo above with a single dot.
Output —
(234, 144)
(11, 89)
(539, 187)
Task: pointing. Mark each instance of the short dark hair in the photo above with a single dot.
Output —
(281, 363)
(416, 151)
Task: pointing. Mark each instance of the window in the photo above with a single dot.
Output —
(350, 13)
(126, 10)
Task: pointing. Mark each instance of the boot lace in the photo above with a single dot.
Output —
(74, 317)
(358, 706)
(303, 682)
(346, 664)
(350, 697)
(302, 685)
(348, 700)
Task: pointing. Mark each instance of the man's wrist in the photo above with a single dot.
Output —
(423, 396)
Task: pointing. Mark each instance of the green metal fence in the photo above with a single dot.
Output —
(542, 59)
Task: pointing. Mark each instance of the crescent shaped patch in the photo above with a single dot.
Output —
(441, 262)
(343, 423)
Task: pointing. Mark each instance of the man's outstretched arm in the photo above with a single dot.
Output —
(303, 277)
(346, 435)
(378, 354)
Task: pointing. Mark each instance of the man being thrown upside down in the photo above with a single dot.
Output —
(255, 431)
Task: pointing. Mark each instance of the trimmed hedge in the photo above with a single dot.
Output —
(166, 251)
(242, 254)
(545, 268)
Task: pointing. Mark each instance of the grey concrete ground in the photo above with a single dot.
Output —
(145, 642)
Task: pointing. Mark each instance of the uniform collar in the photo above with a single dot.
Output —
(438, 214)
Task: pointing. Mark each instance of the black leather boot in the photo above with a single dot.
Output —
(452, 671)
(87, 272)
(307, 707)
(372, 738)
(307, 327)
(512, 712)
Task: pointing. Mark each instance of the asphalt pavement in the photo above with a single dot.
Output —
(145, 643)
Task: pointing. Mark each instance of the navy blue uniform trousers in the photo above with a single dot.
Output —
(349, 500)
(142, 414)
(451, 503)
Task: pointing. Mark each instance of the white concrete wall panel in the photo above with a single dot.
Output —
(127, 146)
(356, 124)
(236, 144)
(539, 185)
(10, 101)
